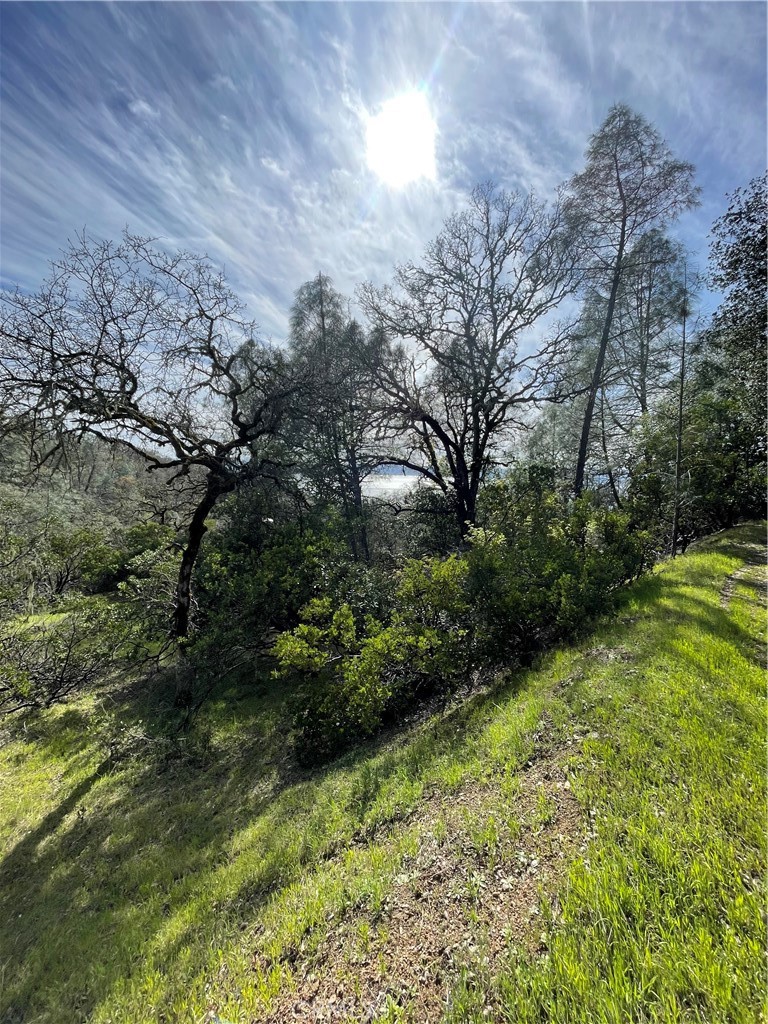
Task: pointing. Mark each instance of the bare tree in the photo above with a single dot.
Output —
(152, 352)
(455, 363)
(631, 184)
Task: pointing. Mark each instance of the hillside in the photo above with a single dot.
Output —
(582, 842)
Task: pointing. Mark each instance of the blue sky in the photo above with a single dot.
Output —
(238, 129)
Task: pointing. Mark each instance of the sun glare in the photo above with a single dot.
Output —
(401, 140)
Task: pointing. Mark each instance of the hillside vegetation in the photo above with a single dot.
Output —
(581, 841)
(278, 744)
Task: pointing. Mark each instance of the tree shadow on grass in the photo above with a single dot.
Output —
(113, 870)
(62, 735)
(107, 871)
(99, 878)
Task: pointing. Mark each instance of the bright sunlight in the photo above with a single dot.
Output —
(401, 140)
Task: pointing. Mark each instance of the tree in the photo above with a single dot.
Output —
(736, 338)
(728, 386)
(704, 462)
(148, 351)
(630, 185)
(648, 307)
(684, 311)
(335, 420)
(644, 347)
(738, 268)
(451, 370)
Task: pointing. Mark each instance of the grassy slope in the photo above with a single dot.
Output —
(169, 890)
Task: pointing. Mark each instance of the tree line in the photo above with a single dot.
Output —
(555, 342)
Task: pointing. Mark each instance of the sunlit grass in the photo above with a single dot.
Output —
(159, 889)
(665, 919)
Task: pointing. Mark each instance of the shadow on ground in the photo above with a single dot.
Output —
(111, 869)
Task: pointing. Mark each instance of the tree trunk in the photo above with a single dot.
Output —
(597, 376)
(609, 468)
(466, 511)
(679, 446)
(180, 628)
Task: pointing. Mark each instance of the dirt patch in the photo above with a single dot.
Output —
(490, 859)
(753, 570)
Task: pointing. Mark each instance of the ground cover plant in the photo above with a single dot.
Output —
(581, 841)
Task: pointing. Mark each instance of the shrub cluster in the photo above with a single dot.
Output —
(44, 660)
(513, 591)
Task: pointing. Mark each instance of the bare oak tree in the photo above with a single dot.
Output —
(152, 352)
(456, 363)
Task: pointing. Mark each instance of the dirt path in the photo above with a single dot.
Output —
(754, 571)
(489, 858)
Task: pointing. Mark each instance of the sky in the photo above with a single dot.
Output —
(239, 129)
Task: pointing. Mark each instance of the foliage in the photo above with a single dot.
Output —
(511, 594)
(661, 920)
(151, 352)
(47, 551)
(129, 356)
(723, 481)
(431, 523)
(259, 589)
(260, 568)
(360, 679)
(723, 437)
(254, 521)
(732, 367)
(148, 590)
(76, 558)
(45, 660)
(738, 268)
(545, 578)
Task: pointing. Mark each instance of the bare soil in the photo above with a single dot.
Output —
(489, 864)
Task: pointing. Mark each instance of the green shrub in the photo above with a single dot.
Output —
(543, 579)
(148, 591)
(44, 661)
(357, 679)
(517, 589)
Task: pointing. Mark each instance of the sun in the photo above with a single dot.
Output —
(400, 140)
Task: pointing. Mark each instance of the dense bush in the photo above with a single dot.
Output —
(513, 592)
(542, 575)
(53, 550)
(360, 676)
(47, 553)
(148, 589)
(363, 670)
(723, 479)
(259, 570)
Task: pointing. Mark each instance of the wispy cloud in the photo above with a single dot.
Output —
(239, 129)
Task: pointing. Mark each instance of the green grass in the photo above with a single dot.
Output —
(665, 920)
(161, 888)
